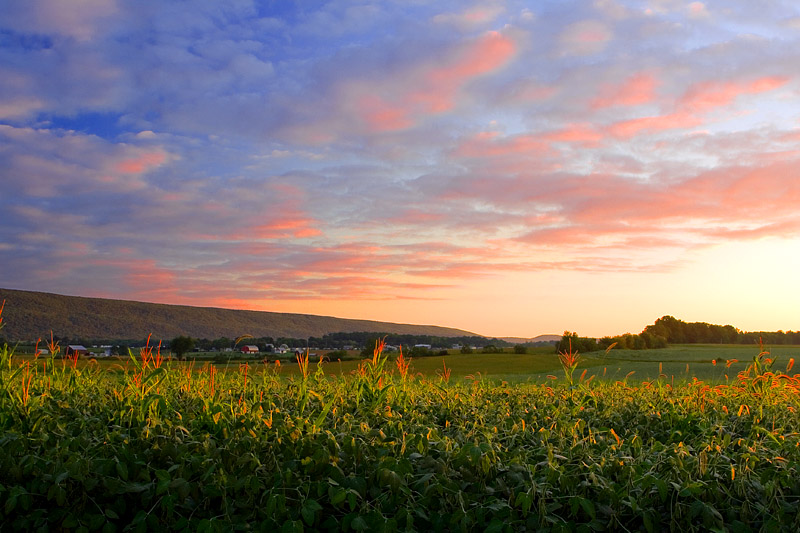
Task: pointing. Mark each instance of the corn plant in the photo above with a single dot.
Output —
(569, 362)
(6, 352)
(235, 448)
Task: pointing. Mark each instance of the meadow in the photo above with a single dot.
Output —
(494, 442)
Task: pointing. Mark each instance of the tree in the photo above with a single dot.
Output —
(420, 351)
(222, 343)
(571, 340)
(370, 346)
(181, 345)
(520, 349)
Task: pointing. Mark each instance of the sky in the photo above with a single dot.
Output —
(509, 168)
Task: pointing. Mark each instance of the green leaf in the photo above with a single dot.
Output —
(359, 524)
(337, 495)
(309, 511)
(122, 470)
(588, 507)
(495, 526)
(290, 526)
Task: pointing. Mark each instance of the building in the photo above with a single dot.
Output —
(251, 349)
(76, 349)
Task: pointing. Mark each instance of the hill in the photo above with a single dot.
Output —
(540, 338)
(31, 315)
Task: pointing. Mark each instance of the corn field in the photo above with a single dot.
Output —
(153, 444)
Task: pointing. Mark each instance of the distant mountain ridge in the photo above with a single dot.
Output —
(539, 338)
(30, 315)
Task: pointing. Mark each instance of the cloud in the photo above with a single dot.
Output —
(587, 37)
(629, 128)
(638, 89)
(141, 163)
(384, 151)
(474, 17)
(398, 98)
(53, 163)
(81, 20)
(20, 107)
(698, 10)
(698, 100)
(706, 96)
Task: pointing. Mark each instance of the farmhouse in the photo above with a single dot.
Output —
(76, 349)
(250, 349)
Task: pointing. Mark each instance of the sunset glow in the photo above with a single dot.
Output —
(509, 168)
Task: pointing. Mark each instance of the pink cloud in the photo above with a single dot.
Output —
(603, 218)
(427, 88)
(470, 18)
(286, 228)
(417, 216)
(441, 84)
(488, 53)
(141, 163)
(705, 96)
(628, 128)
(586, 37)
(382, 116)
(147, 276)
(490, 145)
(699, 99)
(577, 133)
(698, 10)
(636, 90)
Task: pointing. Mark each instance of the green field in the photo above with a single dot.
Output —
(614, 365)
(483, 442)
(537, 365)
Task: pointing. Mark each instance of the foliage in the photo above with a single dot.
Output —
(628, 341)
(159, 445)
(677, 331)
(569, 362)
(180, 345)
(420, 351)
(366, 340)
(6, 352)
(571, 341)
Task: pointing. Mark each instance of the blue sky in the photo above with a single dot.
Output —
(510, 168)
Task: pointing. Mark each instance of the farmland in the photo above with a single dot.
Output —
(390, 444)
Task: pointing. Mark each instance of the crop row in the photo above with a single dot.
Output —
(155, 446)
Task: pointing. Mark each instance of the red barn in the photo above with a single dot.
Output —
(250, 349)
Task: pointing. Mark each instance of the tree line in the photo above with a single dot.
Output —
(676, 331)
(670, 330)
(366, 340)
